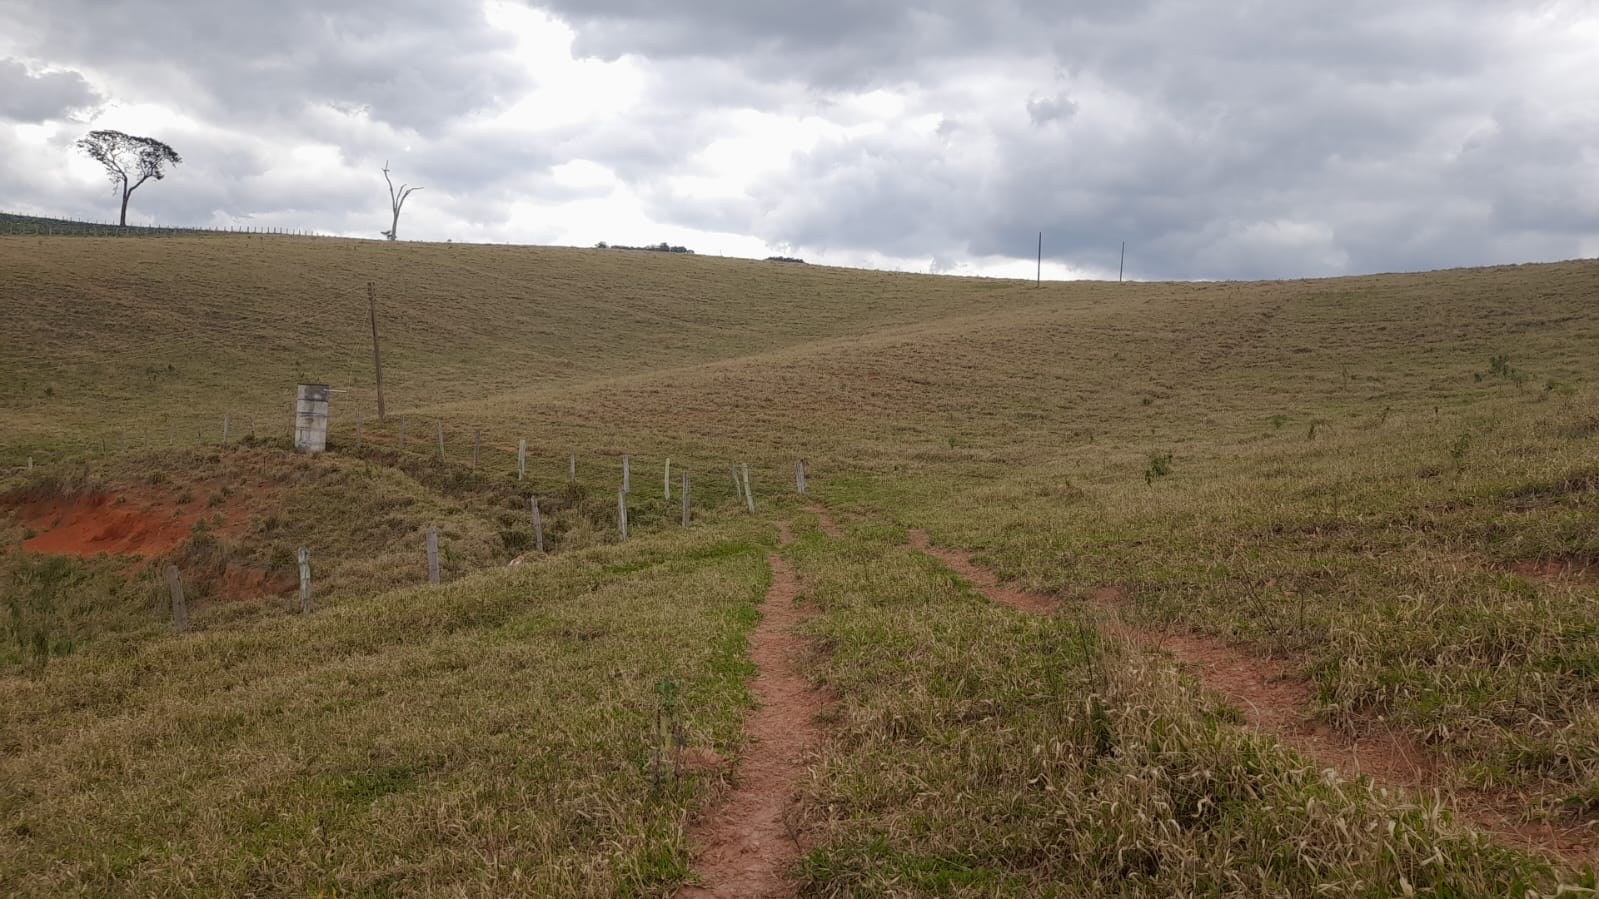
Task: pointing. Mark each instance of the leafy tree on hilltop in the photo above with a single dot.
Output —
(129, 160)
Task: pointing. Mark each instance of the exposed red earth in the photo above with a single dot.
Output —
(749, 843)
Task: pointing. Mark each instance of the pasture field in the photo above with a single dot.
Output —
(1384, 490)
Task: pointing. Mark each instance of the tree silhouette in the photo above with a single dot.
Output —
(396, 200)
(129, 160)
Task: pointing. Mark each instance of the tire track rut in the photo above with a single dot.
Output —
(1276, 701)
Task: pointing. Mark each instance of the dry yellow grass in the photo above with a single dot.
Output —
(1376, 479)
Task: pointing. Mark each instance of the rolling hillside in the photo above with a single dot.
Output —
(1318, 562)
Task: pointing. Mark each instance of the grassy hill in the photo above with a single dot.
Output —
(13, 224)
(1386, 484)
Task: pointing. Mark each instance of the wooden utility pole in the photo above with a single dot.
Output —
(1040, 281)
(377, 358)
(1120, 268)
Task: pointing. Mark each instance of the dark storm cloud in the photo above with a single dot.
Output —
(374, 80)
(1044, 110)
(413, 64)
(38, 97)
(1219, 140)
(826, 43)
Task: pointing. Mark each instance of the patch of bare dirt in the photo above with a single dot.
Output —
(829, 526)
(1277, 701)
(750, 842)
(1558, 571)
(982, 578)
(105, 523)
(152, 523)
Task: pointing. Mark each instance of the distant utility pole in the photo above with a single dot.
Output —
(377, 359)
(1040, 281)
(1123, 265)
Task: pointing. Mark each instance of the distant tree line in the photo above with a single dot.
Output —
(662, 247)
(785, 259)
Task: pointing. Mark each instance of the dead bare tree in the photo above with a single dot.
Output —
(396, 200)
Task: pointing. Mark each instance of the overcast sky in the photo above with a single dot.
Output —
(1239, 139)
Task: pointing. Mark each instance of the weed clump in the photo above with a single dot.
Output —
(1159, 467)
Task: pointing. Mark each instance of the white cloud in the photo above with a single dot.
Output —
(1296, 139)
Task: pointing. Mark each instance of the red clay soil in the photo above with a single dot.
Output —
(1559, 571)
(982, 579)
(96, 523)
(1276, 701)
(149, 524)
(749, 842)
(829, 526)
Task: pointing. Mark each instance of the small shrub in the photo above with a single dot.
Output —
(31, 601)
(1457, 451)
(669, 735)
(1159, 467)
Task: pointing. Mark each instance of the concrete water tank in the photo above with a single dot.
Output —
(311, 418)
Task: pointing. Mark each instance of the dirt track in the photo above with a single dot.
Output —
(749, 843)
(1277, 702)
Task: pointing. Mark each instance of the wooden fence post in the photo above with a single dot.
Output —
(441, 441)
(684, 491)
(799, 476)
(749, 495)
(180, 609)
(224, 428)
(571, 468)
(402, 432)
(627, 481)
(477, 446)
(521, 459)
(668, 478)
(433, 555)
(538, 526)
(305, 581)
